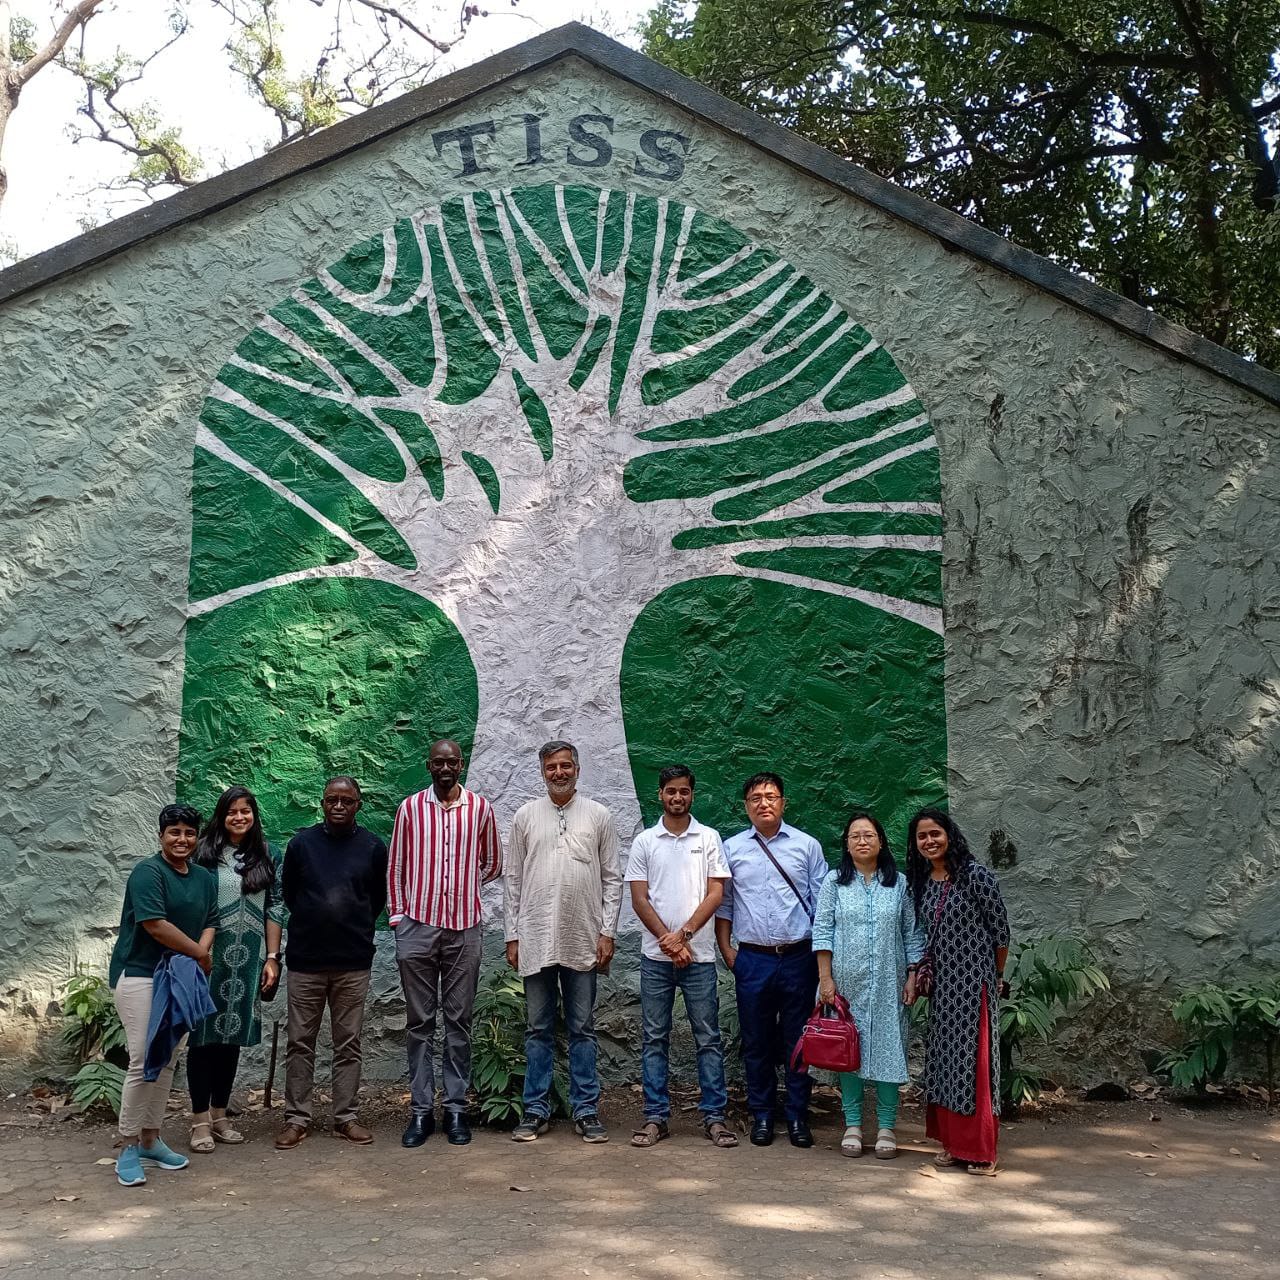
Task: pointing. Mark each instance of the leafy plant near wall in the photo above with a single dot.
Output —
(1216, 1023)
(94, 1039)
(730, 1025)
(497, 1052)
(1046, 977)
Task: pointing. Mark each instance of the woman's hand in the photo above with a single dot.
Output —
(204, 958)
(827, 990)
(270, 977)
(909, 991)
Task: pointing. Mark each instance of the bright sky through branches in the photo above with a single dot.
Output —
(56, 187)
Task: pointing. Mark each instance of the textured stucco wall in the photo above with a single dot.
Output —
(1113, 614)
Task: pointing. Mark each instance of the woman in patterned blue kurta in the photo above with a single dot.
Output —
(868, 947)
(246, 959)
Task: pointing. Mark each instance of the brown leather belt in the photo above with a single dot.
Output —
(782, 949)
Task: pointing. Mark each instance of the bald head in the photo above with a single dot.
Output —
(445, 763)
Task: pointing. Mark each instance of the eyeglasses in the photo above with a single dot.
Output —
(863, 839)
(769, 798)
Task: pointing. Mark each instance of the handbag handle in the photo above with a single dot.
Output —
(838, 1004)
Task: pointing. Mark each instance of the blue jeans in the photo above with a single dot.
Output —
(578, 991)
(658, 983)
(775, 998)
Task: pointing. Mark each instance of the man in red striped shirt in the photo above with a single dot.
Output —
(444, 846)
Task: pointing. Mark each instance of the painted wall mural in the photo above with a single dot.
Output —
(561, 461)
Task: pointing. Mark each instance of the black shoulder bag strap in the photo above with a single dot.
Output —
(791, 884)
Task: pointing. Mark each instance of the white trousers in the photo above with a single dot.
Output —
(142, 1104)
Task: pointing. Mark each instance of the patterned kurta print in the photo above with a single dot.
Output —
(239, 952)
(870, 930)
(972, 926)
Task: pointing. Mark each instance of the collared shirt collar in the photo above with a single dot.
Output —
(660, 828)
(432, 798)
(783, 830)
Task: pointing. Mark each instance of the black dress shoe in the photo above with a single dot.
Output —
(798, 1132)
(762, 1131)
(419, 1129)
(453, 1125)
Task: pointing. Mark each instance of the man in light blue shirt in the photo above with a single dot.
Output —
(768, 908)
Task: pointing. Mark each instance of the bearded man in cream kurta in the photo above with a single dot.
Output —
(563, 894)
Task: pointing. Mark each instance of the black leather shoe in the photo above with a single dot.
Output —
(762, 1131)
(798, 1132)
(453, 1124)
(419, 1129)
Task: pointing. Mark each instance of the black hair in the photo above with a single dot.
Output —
(554, 747)
(175, 815)
(211, 849)
(959, 858)
(759, 780)
(674, 771)
(343, 777)
(886, 867)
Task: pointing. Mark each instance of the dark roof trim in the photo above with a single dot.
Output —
(573, 38)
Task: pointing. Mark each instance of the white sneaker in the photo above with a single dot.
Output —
(886, 1145)
(851, 1143)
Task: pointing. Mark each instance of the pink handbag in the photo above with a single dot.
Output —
(829, 1040)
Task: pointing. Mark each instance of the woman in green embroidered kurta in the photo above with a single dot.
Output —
(250, 920)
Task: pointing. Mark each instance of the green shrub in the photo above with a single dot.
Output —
(1046, 977)
(497, 1052)
(98, 1082)
(94, 1041)
(1216, 1022)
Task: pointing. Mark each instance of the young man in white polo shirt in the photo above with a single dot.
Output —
(677, 872)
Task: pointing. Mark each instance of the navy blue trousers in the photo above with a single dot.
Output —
(776, 995)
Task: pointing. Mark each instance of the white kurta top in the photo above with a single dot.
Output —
(563, 883)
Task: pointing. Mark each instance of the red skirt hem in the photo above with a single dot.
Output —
(972, 1138)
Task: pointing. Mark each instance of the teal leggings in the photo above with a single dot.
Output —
(851, 1086)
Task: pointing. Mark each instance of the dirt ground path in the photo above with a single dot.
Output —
(1100, 1192)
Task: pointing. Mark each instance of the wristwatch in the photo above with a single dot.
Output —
(687, 934)
(274, 955)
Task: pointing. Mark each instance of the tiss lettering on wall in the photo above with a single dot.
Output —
(587, 141)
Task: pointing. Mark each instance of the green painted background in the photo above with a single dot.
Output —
(340, 386)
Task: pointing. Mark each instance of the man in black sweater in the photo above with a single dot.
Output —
(334, 885)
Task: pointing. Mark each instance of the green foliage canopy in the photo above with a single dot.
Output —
(1133, 141)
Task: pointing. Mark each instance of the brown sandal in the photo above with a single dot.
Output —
(650, 1133)
(720, 1134)
(982, 1170)
(201, 1143)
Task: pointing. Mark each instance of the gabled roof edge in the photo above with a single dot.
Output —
(573, 38)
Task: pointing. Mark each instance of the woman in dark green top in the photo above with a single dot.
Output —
(246, 959)
(169, 905)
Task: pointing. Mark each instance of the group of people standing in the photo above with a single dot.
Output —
(790, 929)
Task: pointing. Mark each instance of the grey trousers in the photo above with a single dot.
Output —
(343, 991)
(439, 969)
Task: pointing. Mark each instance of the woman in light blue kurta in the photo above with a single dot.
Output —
(868, 948)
